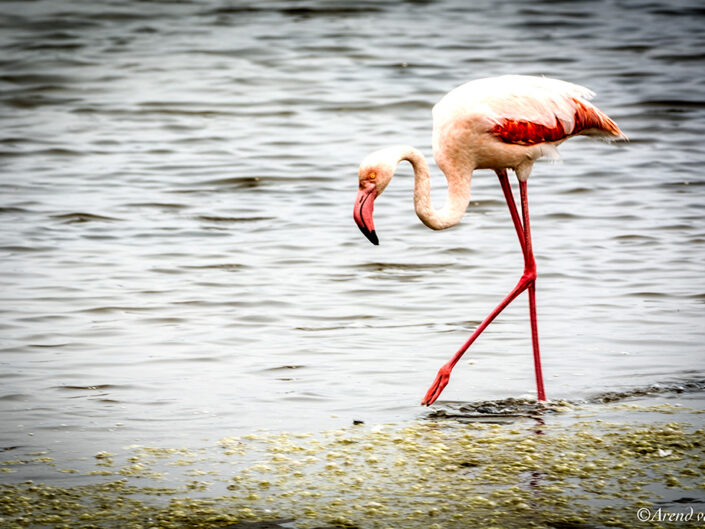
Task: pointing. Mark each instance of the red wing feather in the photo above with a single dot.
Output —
(587, 119)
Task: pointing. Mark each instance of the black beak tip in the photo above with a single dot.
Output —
(371, 235)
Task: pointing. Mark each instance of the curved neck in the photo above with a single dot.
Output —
(458, 191)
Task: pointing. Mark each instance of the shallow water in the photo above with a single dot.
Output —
(179, 260)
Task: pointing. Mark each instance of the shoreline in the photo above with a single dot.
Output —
(589, 465)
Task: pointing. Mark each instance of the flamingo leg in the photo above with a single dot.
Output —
(527, 281)
(509, 197)
(530, 263)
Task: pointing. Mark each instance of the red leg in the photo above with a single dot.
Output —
(530, 263)
(509, 197)
(527, 281)
(540, 393)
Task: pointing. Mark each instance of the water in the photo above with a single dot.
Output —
(179, 259)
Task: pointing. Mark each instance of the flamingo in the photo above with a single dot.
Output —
(497, 123)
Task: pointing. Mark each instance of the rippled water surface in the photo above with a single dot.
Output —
(178, 256)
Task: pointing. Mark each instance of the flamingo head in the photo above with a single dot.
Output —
(374, 176)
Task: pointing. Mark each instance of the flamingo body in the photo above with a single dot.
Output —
(513, 120)
(497, 123)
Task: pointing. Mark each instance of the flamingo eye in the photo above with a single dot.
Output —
(372, 175)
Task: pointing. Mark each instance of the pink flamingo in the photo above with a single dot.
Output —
(496, 123)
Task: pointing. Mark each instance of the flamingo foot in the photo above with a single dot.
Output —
(438, 386)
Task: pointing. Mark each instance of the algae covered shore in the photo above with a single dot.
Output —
(565, 466)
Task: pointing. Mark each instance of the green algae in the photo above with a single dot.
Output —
(443, 474)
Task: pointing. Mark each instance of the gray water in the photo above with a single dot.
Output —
(179, 259)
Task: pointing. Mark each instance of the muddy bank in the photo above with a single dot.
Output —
(574, 466)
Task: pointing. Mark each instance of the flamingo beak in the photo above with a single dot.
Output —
(362, 212)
